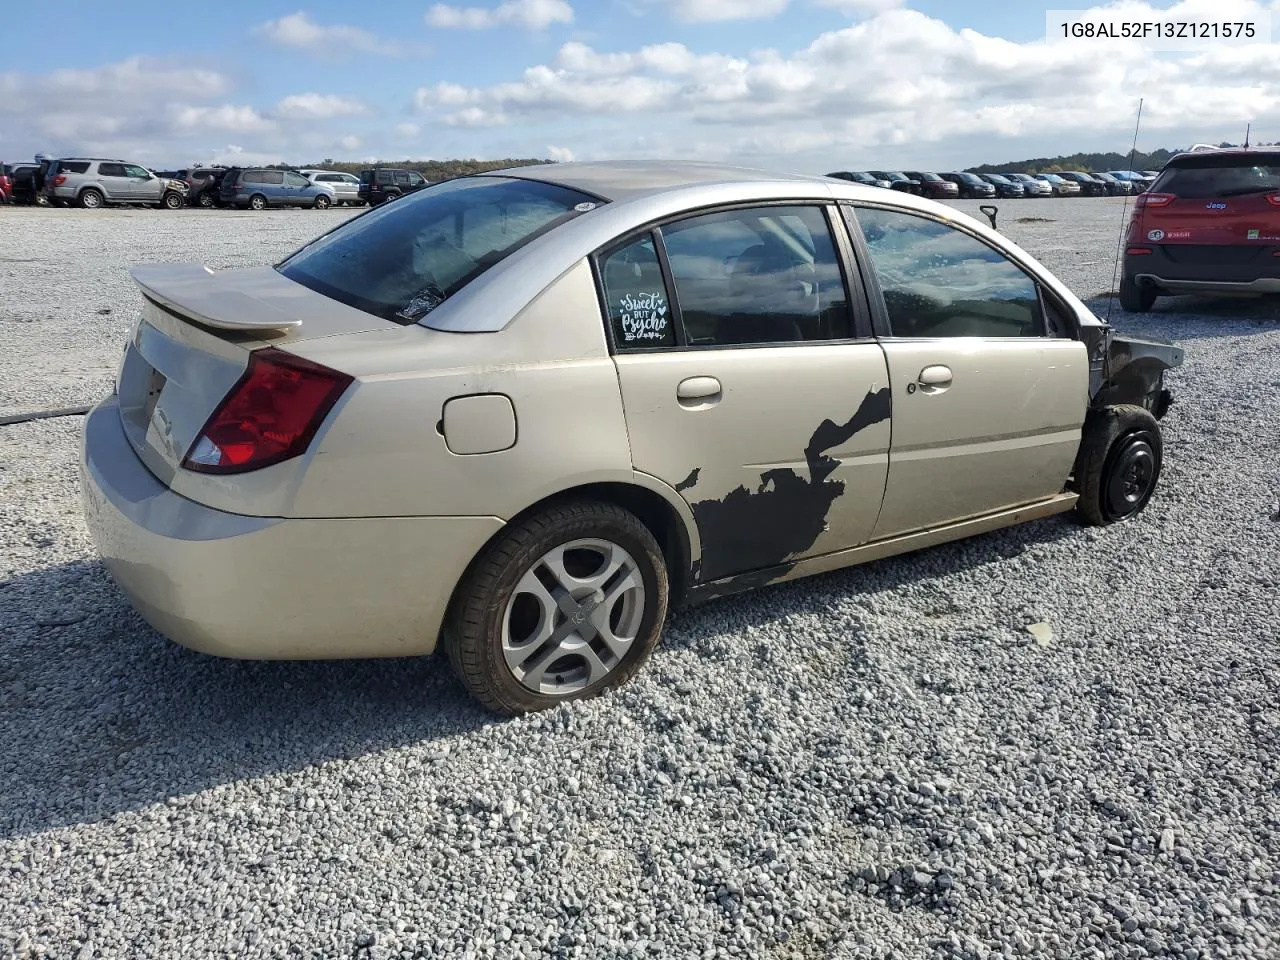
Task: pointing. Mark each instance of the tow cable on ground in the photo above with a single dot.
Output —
(44, 415)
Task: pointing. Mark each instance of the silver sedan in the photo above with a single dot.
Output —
(521, 415)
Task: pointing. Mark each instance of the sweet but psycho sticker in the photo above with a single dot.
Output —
(643, 316)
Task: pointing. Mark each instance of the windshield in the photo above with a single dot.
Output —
(1213, 177)
(996, 178)
(931, 177)
(1054, 178)
(404, 259)
(889, 175)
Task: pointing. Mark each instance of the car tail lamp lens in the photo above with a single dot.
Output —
(1273, 199)
(271, 414)
(1155, 199)
(59, 180)
(1137, 251)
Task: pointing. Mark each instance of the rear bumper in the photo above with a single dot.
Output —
(264, 587)
(1246, 270)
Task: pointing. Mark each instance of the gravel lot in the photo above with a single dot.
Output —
(881, 762)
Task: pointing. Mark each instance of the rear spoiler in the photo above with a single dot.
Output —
(209, 299)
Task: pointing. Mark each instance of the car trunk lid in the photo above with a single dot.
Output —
(193, 341)
(1251, 220)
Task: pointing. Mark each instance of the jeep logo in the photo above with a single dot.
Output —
(1215, 205)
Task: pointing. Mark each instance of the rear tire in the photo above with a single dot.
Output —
(1136, 298)
(1119, 463)
(90, 199)
(257, 202)
(510, 632)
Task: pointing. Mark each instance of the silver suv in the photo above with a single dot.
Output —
(346, 186)
(93, 183)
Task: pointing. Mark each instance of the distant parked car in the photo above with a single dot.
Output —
(1153, 174)
(346, 188)
(971, 186)
(860, 176)
(1115, 186)
(1061, 187)
(380, 184)
(92, 183)
(898, 181)
(1030, 185)
(1005, 189)
(203, 184)
(6, 185)
(1089, 187)
(256, 189)
(1139, 183)
(24, 187)
(934, 186)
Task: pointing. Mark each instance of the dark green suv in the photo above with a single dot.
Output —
(380, 184)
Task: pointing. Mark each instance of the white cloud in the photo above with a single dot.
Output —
(530, 14)
(559, 154)
(702, 11)
(319, 106)
(349, 142)
(860, 8)
(408, 129)
(299, 31)
(222, 118)
(895, 77)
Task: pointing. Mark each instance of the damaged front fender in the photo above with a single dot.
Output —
(1126, 369)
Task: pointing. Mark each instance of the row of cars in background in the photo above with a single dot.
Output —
(92, 182)
(986, 186)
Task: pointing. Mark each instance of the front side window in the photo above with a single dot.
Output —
(938, 281)
(763, 275)
(637, 303)
(133, 170)
(404, 259)
(296, 180)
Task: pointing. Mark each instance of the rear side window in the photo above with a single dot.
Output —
(1210, 177)
(636, 298)
(74, 166)
(272, 176)
(763, 275)
(386, 177)
(403, 260)
(938, 281)
(111, 170)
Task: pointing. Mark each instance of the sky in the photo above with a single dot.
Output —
(804, 85)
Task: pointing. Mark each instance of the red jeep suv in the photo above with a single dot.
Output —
(1209, 224)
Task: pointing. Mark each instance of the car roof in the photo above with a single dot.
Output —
(625, 180)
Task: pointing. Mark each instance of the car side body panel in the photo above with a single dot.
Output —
(787, 461)
(1005, 432)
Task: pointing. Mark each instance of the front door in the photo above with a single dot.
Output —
(143, 187)
(989, 390)
(749, 391)
(298, 190)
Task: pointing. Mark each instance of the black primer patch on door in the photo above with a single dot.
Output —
(785, 515)
(689, 482)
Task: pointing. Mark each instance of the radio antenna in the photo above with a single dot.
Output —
(1247, 128)
(1124, 216)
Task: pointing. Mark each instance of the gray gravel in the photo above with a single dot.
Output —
(883, 762)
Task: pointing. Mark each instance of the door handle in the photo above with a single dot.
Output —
(934, 378)
(694, 389)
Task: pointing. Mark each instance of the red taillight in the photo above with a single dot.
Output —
(1137, 251)
(59, 180)
(1154, 199)
(1273, 199)
(271, 414)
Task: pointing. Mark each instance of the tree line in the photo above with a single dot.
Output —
(432, 170)
(1090, 162)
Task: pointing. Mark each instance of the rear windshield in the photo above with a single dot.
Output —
(1198, 178)
(404, 259)
(931, 177)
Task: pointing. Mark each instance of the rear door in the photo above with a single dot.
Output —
(114, 181)
(989, 390)
(750, 381)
